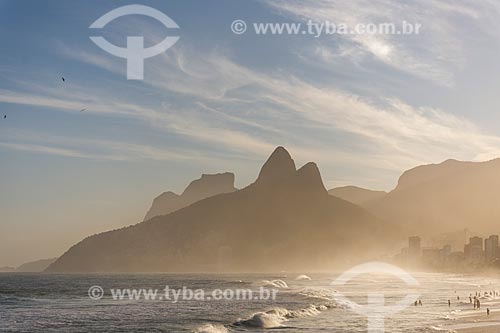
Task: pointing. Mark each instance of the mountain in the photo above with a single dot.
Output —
(444, 197)
(36, 266)
(206, 186)
(356, 195)
(7, 269)
(285, 220)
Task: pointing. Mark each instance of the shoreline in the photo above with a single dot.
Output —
(476, 323)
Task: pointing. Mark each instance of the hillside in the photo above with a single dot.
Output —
(35, 266)
(284, 220)
(356, 195)
(204, 187)
(444, 197)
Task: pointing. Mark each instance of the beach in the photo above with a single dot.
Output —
(478, 323)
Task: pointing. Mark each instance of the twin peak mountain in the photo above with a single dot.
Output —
(279, 168)
(284, 220)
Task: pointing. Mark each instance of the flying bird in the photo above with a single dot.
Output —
(5, 116)
(82, 110)
(63, 79)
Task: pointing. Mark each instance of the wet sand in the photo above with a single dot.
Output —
(476, 323)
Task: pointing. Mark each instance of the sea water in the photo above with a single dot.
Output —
(303, 303)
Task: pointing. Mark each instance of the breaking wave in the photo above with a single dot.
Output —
(320, 293)
(275, 283)
(275, 317)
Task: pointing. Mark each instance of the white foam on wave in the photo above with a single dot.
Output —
(320, 293)
(303, 277)
(442, 329)
(275, 317)
(275, 283)
(211, 328)
(263, 320)
(329, 295)
(447, 317)
(488, 297)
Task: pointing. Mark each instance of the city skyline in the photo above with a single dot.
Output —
(477, 252)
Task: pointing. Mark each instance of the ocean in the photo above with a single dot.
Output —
(303, 303)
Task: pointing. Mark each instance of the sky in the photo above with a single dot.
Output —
(364, 107)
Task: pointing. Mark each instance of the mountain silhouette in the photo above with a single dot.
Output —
(444, 197)
(35, 266)
(278, 166)
(284, 220)
(7, 269)
(356, 195)
(206, 186)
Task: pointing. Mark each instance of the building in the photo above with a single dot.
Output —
(431, 257)
(474, 252)
(435, 257)
(491, 248)
(414, 249)
(478, 252)
(446, 251)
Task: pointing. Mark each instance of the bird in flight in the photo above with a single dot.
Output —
(82, 110)
(4, 116)
(63, 79)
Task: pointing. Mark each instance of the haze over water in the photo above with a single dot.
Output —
(60, 302)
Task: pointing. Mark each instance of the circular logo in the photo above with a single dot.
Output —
(135, 52)
(96, 292)
(238, 27)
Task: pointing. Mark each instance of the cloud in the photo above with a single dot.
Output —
(184, 123)
(37, 148)
(96, 149)
(436, 54)
(286, 110)
(219, 105)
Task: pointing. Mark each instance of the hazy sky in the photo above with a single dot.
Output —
(363, 107)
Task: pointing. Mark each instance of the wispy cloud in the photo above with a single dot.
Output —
(228, 107)
(437, 53)
(51, 150)
(395, 135)
(97, 149)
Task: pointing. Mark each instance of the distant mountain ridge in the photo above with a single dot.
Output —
(206, 186)
(7, 269)
(29, 267)
(35, 266)
(284, 220)
(444, 197)
(356, 195)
